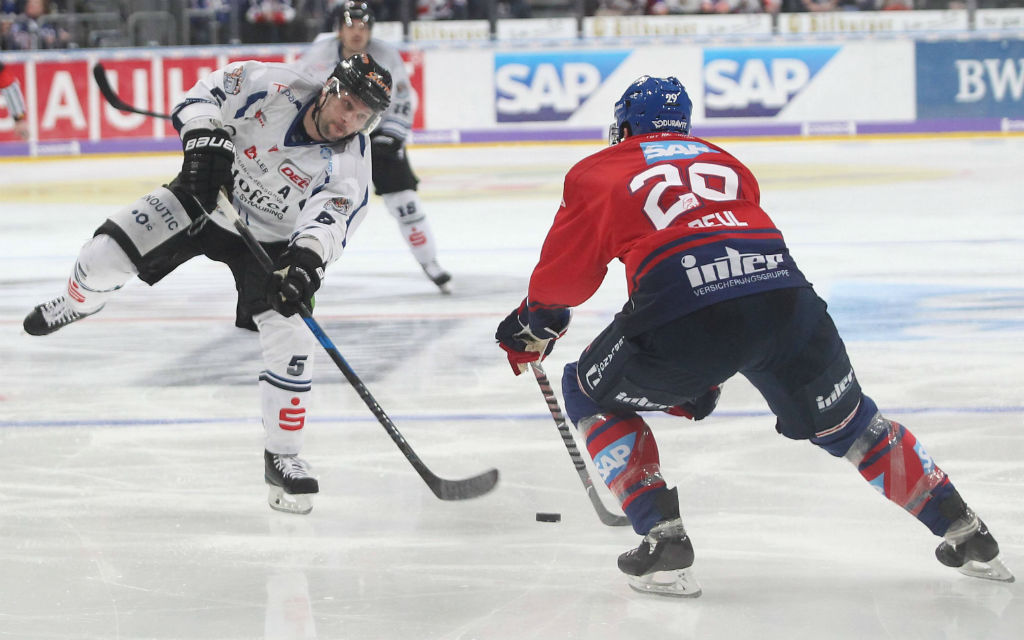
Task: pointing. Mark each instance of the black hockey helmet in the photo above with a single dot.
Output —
(349, 12)
(362, 77)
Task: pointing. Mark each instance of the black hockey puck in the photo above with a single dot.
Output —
(549, 517)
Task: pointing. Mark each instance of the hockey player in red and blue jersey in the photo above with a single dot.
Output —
(713, 291)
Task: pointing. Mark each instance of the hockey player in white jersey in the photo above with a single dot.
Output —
(393, 178)
(295, 157)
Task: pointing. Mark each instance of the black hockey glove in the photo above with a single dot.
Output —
(386, 144)
(296, 277)
(529, 336)
(206, 168)
(700, 407)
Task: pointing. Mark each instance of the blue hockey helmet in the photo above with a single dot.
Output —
(650, 105)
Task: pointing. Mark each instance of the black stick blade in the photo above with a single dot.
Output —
(100, 75)
(464, 489)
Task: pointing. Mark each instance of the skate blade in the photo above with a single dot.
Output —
(994, 569)
(278, 500)
(674, 584)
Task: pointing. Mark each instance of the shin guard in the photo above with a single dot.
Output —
(406, 208)
(286, 382)
(891, 459)
(102, 268)
(626, 455)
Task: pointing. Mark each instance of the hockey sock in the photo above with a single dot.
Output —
(626, 455)
(577, 404)
(101, 269)
(891, 459)
(286, 382)
(405, 207)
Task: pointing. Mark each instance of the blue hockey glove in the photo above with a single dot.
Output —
(700, 407)
(528, 335)
(296, 277)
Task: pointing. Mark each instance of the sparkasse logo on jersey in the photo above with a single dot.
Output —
(547, 86)
(758, 82)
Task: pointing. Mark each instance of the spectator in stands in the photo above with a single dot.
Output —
(26, 31)
(209, 20)
(819, 5)
(269, 21)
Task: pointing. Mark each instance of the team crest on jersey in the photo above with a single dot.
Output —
(341, 204)
(233, 81)
(673, 150)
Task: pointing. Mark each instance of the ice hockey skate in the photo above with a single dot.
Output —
(970, 549)
(55, 314)
(661, 564)
(291, 484)
(437, 275)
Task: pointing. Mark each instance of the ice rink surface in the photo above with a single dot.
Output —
(132, 503)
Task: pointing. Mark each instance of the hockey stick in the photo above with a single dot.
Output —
(607, 517)
(100, 75)
(444, 489)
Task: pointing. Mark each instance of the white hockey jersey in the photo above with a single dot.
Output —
(285, 185)
(325, 53)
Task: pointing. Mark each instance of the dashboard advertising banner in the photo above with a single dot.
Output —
(549, 86)
(978, 79)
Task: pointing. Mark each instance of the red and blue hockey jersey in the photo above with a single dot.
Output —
(682, 214)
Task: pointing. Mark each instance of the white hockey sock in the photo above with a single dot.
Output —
(286, 382)
(405, 207)
(101, 269)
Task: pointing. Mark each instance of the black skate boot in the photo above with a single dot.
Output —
(437, 275)
(291, 485)
(661, 564)
(970, 549)
(50, 316)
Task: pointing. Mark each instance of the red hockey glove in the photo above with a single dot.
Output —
(700, 407)
(529, 337)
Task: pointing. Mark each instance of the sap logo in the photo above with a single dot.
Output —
(612, 460)
(549, 93)
(758, 82)
(658, 151)
(976, 77)
(548, 86)
(927, 463)
(839, 390)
